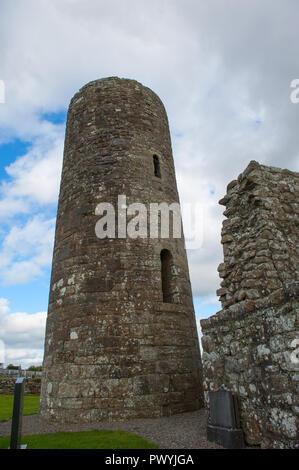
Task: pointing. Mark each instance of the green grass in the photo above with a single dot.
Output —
(68, 440)
(83, 440)
(31, 403)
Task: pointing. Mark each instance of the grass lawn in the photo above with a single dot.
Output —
(68, 440)
(31, 403)
(83, 440)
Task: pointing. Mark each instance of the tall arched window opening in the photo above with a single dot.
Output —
(157, 171)
(168, 288)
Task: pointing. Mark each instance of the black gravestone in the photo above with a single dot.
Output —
(16, 425)
(224, 422)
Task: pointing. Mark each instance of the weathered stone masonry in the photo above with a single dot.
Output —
(247, 345)
(117, 345)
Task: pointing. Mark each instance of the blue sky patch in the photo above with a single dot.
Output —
(55, 118)
(10, 152)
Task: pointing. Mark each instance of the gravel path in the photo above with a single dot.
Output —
(183, 431)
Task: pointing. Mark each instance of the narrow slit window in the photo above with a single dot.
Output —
(157, 171)
(166, 276)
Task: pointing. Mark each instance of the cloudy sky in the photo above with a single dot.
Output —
(223, 69)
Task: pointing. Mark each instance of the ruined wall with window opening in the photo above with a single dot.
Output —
(250, 345)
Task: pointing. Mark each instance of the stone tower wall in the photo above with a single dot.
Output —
(249, 345)
(113, 348)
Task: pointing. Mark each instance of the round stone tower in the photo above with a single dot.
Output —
(121, 338)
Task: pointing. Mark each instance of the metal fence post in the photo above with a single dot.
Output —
(16, 425)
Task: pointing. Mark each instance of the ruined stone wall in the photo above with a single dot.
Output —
(32, 385)
(248, 345)
(114, 349)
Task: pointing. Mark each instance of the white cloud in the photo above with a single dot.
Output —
(24, 357)
(27, 250)
(203, 262)
(222, 69)
(22, 335)
(4, 308)
(36, 174)
(199, 332)
(33, 178)
(210, 300)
